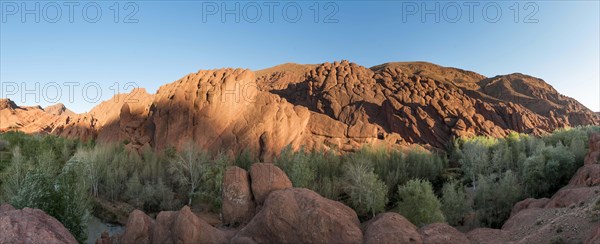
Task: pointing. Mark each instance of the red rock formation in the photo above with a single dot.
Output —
(58, 109)
(440, 233)
(390, 228)
(489, 236)
(266, 178)
(139, 228)
(237, 203)
(170, 227)
(529, 203)
(31, 226)
(301, 216)
(339, 106)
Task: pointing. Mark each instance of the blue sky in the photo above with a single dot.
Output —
(172, 39)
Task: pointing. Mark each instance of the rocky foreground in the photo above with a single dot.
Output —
(337, 106)
(261, 206)
(31, 226)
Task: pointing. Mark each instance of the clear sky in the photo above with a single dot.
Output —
(557, 41)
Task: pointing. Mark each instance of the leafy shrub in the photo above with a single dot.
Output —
(244, 160)
(419, 204)
(455, 203)
(396, 167)
(298, 166)
(475, 158)
(61, 193)
(212, 179)
(494, 198)
(367, 194)
(188, 168)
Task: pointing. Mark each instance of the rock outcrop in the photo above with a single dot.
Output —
(390, 228)
(301, 216)
(182, 226)
(139, 228)
(266, 178)
(529, 203)
(439, 233)
(58, 109)
(31, 226)
(237, 202)
(339, 106)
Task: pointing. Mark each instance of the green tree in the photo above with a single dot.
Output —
(419, 204)
(61, 193)
(367, 194)
(494, 198)
(475, 158)
(92, 166)
(579, 149)
(212, 180)
(75, 205)
(14, 176)
(455, 203)
(188, 168)
(298, 167)
(135, 191)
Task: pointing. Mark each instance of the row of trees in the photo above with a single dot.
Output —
(479, 176)
(489, 176)
(498, 172)
(371, 180)
(64, 177)
(36, 175)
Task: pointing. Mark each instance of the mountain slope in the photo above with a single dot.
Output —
(339, 106)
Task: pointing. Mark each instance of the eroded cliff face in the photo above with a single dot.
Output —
(339, 106)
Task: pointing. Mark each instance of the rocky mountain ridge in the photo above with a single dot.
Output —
(339, 106)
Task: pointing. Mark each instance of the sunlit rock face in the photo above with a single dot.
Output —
(338, 106)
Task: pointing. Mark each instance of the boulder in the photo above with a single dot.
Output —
(188, 228)
(301, 216)
(588, 175)
(138, 229)
(440, 233)
(104, 238)
(529, 203)
(593, 156)
(390, 228)
(266, 178)
(163, 227)
(6, 207)
(489, 236)
(568, 196)
(237, 204)
(594, 237)
(182, 226)
(31, 226)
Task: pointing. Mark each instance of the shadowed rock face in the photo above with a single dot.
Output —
(338, 106)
